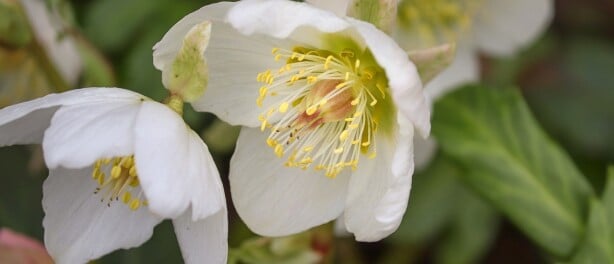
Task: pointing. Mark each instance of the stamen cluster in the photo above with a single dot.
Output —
(322, 111)
(117, 177)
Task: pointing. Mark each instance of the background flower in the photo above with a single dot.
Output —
(119, 164)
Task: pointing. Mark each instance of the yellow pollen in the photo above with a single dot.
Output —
(327, 115)
(327, 62)
(279, 151)
(311, 110)
(283, 107)
(122, 181)
(344, 135)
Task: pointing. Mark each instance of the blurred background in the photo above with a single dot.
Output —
(566, 77)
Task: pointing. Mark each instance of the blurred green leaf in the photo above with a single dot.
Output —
(111, 24)
(582, 77)
(597, 245)
(14, 26)
(608, 201)
(473, 228)
(514, 165)
(294, 249)
(432, 202)
(96, 70)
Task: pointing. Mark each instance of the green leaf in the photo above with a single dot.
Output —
(474, 227)
(608, 201)
(513, 164)
(597, 246)
(293, 249)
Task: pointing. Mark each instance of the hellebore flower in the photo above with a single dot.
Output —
(495, 27)
(329, 105)
(120, 163)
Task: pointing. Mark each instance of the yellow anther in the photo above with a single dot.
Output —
(132, 171)
(277, 57)
(372, 155)
(271, 142)
(95, 172)
(327, 62)
(322, 102)
(126, 197)
(356, 64)
(263, 125)
(366, 143)
(355, 101)
(344, 135)
(347, 76)
(306, 160)
(349, 119)
(338, 150)
(353, 126)
(283, 107)
(374, 102)
(311, 110)
(263, 90)
(279, 150)
(274, 50)
(101, 178)
(134, 182)
(116, 172)
(308, 148)
(312, 79)
(135, 204)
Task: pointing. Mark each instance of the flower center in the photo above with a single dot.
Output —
(117, 180)
(438, 21)
(324, 107)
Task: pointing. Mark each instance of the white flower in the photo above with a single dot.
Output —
(119, 164)
(317, 95)
(495, 27)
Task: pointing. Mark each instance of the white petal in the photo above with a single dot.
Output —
(403, 77)
(282, 19)
(174, 167)
(504, 26)
(205, 240)
(274, 200)
(25, 123)
(80, 134)
(49, 30)
(379, 188)
(464, 69)
(339, 7)
(234, 63)
(79, 227)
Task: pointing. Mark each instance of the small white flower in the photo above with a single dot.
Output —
(329, 106)
(119, 164)
(496, 27)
